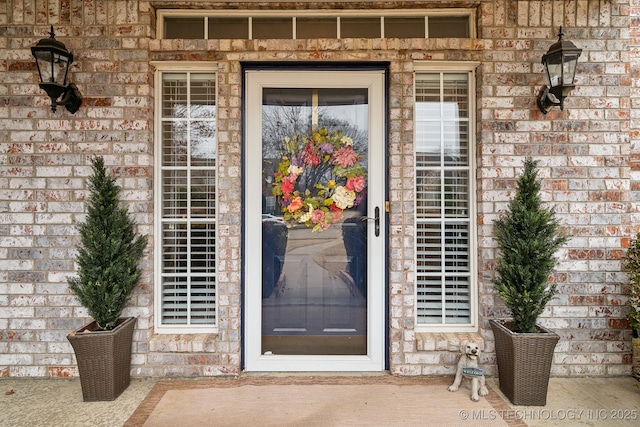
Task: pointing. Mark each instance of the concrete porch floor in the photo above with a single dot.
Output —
(579, 402)
(571, 402)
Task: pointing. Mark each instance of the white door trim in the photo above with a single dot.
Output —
(255, 81)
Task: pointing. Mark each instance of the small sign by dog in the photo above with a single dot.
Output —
(472, 372)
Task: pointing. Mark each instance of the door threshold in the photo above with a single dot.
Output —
(277, 374)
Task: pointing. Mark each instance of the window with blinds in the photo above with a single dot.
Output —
(188, 199)
(443, 199)
(305, 24)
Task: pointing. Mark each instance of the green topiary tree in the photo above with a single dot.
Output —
(109, 253)
(632, 267)
(528, 238)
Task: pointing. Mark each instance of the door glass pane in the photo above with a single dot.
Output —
(314, 258)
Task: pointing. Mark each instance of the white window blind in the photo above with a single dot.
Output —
(188, 199)
(443, 199)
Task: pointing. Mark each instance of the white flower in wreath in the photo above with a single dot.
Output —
(344, 198)
(307, 215)
(347, 141)
(295, 170)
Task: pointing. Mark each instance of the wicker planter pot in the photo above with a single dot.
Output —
(524, 363)
(104, 359)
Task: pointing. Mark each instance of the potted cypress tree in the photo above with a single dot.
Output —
(108, 260)
(528, 238)
(632, 267)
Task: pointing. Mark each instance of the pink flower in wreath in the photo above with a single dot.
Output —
(355, 184)
(317, 217)
(310, 156)
(345, 157)
(287, 185)
(336, 216)
(295, 204)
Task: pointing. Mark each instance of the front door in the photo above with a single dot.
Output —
(314, 220)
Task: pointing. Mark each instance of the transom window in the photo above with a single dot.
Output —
(186, 201)
(445, 232)
(448, 23)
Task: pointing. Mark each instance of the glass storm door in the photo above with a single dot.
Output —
(314, 221)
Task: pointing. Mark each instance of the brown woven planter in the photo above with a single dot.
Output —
(104, 359)
(524, 363)
(635, 364)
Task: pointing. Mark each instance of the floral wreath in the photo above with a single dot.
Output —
(318, 177)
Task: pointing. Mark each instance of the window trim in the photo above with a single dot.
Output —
(160, 67)
(334, 13)
(453, 67)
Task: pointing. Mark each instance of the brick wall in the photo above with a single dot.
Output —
(584, 152)
(44, 160)
(588, 156)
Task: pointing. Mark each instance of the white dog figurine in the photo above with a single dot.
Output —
(468, 368)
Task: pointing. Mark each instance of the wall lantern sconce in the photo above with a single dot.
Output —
(560, 64)
(53, 61)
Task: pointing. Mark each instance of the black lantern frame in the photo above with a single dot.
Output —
(53, 61)
(560, 64)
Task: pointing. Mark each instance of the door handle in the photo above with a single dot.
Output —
(376, 220)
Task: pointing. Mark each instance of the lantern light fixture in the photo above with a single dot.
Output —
(53, 61)
(560, 65)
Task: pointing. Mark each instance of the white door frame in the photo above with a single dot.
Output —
(255, 81)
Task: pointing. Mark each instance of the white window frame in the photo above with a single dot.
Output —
(284, 13)
(159, 69)
(457, 67)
